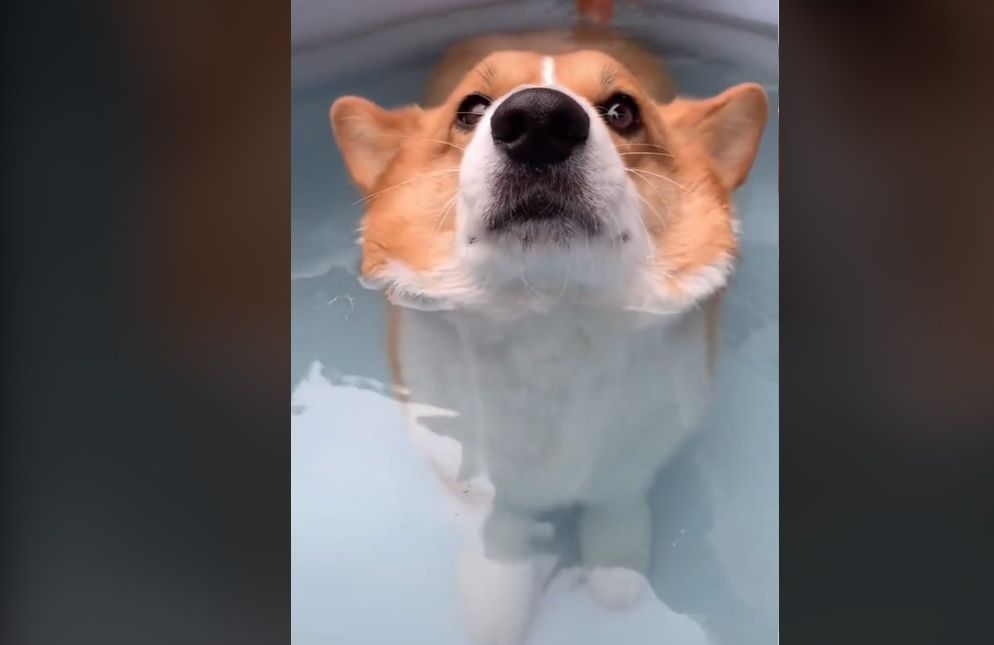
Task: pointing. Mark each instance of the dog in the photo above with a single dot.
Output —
(553, 229)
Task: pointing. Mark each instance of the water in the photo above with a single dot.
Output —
(374, 541)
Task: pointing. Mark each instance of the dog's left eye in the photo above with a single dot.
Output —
(621, 113)
(470, 110)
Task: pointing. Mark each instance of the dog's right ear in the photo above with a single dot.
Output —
(370, 136)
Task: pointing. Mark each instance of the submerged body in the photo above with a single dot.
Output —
(570, 408)
(573, 405)
(554, 236)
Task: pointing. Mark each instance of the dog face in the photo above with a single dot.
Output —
(550, 174)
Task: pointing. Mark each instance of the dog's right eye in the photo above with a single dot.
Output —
(470, 110)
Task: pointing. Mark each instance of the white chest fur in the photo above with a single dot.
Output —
(575, 405)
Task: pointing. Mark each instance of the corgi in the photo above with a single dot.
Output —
(553, 229)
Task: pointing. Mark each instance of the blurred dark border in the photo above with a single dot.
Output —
(145, 458)
(887, 322)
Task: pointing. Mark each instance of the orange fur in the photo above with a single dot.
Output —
(685, 162)
(681, 161)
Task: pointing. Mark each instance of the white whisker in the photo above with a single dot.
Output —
(617, 226)
(445, 210)
(651, 154)
(410, 136)
(663, 177)
(405, 182)
(648, 238)
(528, 284)
(656, 189)
(429, 139)
(647, 145)
(649, 206)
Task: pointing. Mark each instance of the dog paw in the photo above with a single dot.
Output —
(497, 599)
(615, 587)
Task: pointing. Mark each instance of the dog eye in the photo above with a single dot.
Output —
(470, 110)
(621, 113)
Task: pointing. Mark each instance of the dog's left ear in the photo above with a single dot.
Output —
(728, 126)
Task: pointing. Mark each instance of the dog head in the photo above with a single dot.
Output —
(549, 176)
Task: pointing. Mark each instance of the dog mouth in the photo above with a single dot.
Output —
(541, 206)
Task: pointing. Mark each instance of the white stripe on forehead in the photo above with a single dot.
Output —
(548, 70)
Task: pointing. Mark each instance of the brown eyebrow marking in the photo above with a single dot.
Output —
(487, 73)
(608, 75)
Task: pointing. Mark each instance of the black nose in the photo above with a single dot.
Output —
(539, 126)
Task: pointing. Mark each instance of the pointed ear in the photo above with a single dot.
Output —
(729, 127)
(369, 136)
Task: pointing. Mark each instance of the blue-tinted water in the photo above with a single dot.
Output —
(373, 539)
